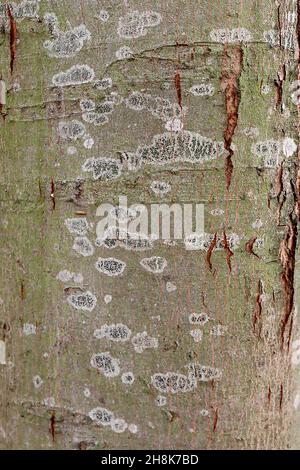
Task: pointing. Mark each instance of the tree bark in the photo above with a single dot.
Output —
(102, 99)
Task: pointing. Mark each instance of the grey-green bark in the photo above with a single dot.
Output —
(250, 72)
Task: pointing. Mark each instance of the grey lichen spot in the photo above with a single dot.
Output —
(65, 43)
(37, 381)
(103, 168)
(82, 301)
(114, 237)
(202, 89)
(101, 416)
(160, 108)
(25, 9)
(115, 332)
(29, 329)
(197, 335)
(78, 226)
(231, 36)
(203, 241)
(173, 382)
(204, 373)
(218, 330)
(155, 264)
(136, 24)
(87, 104)
(76, 75)
(72, 130)
(142, 341)
(127, 378)
(160, 188)
(161, 400)
(272, 37)
(119, 425)
(272, 151)
(110, 266)
(83, 246)
(106, 364)
(167, 148)
(103, 84)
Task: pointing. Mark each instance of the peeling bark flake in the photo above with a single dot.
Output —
(287, 258)
(249, 247)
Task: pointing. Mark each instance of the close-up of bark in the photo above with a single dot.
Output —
(164, 342)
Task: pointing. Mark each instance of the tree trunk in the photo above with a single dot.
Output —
(162, 102)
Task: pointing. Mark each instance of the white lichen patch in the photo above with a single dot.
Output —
(217, 212)
(104, 16)
(106, 364)
(66, 276)
(29, 329)
(49, 402)
(2, 352)
(160, 188)
(197, 335)
(71, 130)
(231, 36)
(204, 373)
(97, 114)
(289, 147)
(127, 378)
(86, 392)
(136, 24)
(170, 148)
(173, 382)
(124, 53)
(103, 168)
(83, 246)
(110, 266)
(251, 132)
(296, 352)
(142, 341)
(198, 318)
(107, 298)
(202, 89)
(64, 43)
(170, 287)
(272, 37)
(37, 381)
(76, 75)
(155, 264)
(115, 332)
(83, 301)
(78, 226)
(133, 428)
(119, 425)
(174, 125)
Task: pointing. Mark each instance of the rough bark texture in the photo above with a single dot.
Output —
(244, 277)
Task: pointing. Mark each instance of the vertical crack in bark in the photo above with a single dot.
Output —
(281, 76)
(228, 251)
(52, 425)
(52, 194)
(258, 310)
(178, 87)
(230, 85)
(210, 250)
(13, 38)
